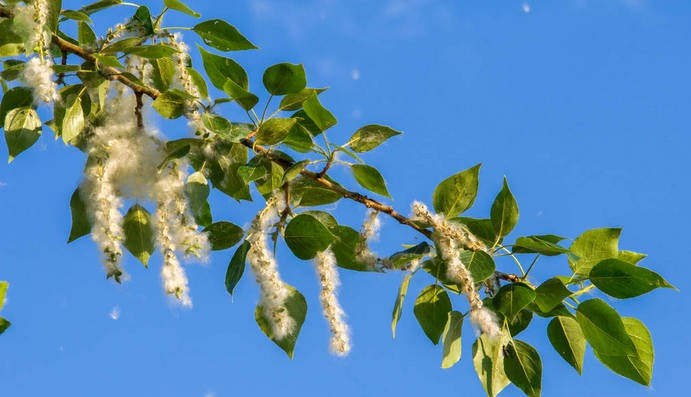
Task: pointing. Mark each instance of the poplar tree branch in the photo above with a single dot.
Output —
(139, 90)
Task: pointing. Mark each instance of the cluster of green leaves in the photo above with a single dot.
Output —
(288, 150)
(623, 344)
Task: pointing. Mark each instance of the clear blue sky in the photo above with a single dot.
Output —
(582, 104)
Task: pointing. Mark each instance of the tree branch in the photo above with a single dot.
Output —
(139, 90)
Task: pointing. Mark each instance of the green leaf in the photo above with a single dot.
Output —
(121, 45)
(220, 68)
(171, 104)
(76, 16)
(163, 73)
(631, 257)
(321, 117)
(567, 339)
(244, 98)
(431, 310)
(511, 298)
(488, 359)
(141, 22)
(294, 170)
(98, 6)
(3, 292)
(4, 324)
(638, 366)
(236, 267)
(604, 329)
(344, 247)
(139, 233)
(11, 71)
(308, 193)
(197, 192)
(398, 306)
(504, 213)
(523, 367)
(86, 35)
(81, 226)
(297, 309)
(223, 235)
(623, 280)
(370, 178)
(370, 136)
(22, 130)
(299, 139)
(479, 263)
(151, 51)
(305, 235)
(451, 339)
(178, 5)
(456, 193)
(223, 36)
(294, 100)
(252, 173)
(16, 97)
(285, 78)
(559, 310)
(199, 82)
(544, 244)
(109, 60)
(305, 121)
(550, 294)
(273, 131)
(73, 123)
(520, 322)
(53, 14)
(481, 228)
(593, 246)
(401, 258)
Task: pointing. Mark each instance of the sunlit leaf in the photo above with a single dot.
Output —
(398, 306)
(139, 233)
(370, 136)
(567, 339)
(236, 267)
(456, 193)
(622, 280)
(431, 309)
(284, 78)
(223, 36)
(451, 339)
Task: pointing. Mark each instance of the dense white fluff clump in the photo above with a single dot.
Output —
(263, 263)
(38, 72)
(325, 264)
(124, 163)
(448, 237)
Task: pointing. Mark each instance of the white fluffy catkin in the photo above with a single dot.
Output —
(173, 275)
(448, 237)
(38, 72)
(265, 268)
(369, 231)
(103, 205)
(325, 265)
(125, 164)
